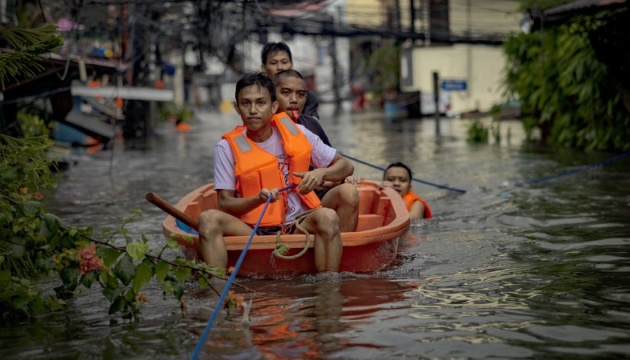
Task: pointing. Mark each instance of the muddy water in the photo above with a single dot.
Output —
(503, 271)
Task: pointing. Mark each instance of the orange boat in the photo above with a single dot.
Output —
(383, 219)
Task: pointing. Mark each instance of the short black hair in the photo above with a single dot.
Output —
(255, 78)
(399, 164)
(272, 48)
(285, 74)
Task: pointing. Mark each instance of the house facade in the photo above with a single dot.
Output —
(462, 44)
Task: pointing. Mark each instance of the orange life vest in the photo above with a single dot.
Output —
(410, 197)
(256, 169)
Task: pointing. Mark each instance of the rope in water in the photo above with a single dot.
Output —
(219, 305)
(414, 179)
(578, 170)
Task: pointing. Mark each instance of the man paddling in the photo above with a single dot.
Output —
(255, 160)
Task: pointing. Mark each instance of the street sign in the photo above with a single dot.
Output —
(454, 85)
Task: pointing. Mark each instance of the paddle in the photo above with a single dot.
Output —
(171, 210)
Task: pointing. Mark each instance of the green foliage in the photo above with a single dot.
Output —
(565, 90)
(478, 132)
(384, 65)
(34, 243)
(28, 44)
(32, 125)
(169, 110)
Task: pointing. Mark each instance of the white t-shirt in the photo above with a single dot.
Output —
(224, 178)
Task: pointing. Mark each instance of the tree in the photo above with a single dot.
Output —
(28, 45)
(384, 65)
(566, 91)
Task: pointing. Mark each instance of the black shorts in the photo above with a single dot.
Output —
(321, 192)
(273, 230)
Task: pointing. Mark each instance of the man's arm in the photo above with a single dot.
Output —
(240, 206)
(338, 169)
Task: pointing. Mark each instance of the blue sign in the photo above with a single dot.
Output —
(454, 85)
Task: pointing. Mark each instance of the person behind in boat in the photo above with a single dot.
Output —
(252, 164)
(277, 57)
(291, 95)
(398, 176)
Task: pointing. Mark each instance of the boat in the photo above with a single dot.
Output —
(383, 220)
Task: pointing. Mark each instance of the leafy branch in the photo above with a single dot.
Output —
(34, 243)
(28, 45)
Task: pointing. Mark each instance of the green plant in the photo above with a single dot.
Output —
(477, 132)
(565, 90)
(384, 64)
(34, 243)
(28, 45)
(168, 110)
(32, 125)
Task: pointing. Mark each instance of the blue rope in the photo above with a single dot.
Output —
(414, 179)
(206, 331)
(578, 170)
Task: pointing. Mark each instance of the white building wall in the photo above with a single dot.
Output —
(480, 66)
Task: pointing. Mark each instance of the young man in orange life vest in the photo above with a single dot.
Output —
(291, 95)
(255, 160)
(398, 176)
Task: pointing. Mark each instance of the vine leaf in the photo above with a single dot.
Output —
(125, 270)
(117, 305)
(108, 255)
(144, 273)
(137, 250)
(161, 269)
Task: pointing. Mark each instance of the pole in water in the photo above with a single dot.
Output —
(436, 97)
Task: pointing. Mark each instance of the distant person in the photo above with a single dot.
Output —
(266, 153)
(277, 57)
(398, 176)
(291, 95)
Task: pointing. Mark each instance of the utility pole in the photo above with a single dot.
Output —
(335, 64)
(436, 97)
(412, 15)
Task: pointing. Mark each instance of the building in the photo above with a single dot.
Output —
(462, 44)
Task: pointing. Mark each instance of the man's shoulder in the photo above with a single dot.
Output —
(310, 95)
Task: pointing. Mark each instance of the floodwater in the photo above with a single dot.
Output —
(503, 271)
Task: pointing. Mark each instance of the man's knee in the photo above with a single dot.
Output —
(349, 194)
(209, 219)
(327, 220)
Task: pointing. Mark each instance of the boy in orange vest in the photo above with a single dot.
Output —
(398, 176)
(259, 150)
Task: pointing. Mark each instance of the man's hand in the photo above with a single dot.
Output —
(354, 180)
(265, 194)
(310, 180)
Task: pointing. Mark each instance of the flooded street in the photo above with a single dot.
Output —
(505, 271)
